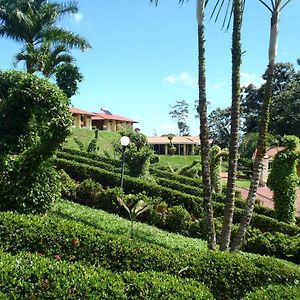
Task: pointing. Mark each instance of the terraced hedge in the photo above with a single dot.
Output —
(193, 204)
(228, 276)
(27, 276)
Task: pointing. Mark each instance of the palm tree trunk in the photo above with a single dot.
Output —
(235, 124)
(262, 140)
(207, 193)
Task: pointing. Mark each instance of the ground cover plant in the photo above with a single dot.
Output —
(71, 240)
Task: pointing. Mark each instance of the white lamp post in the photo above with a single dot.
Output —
(124, 142)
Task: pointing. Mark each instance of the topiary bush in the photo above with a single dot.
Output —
(177, 219)
(35, 122)
(283, 179)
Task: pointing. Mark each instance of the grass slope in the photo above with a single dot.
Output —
(116, 225)
(105, 139)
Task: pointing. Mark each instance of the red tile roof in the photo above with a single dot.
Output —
(271, 152)
(77, 111)
(102, 116)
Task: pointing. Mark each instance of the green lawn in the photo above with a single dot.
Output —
(105, 139)
(116, 225)
(177, 161)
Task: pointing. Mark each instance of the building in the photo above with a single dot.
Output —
(104, 120)
(184, 145)
(81, 118)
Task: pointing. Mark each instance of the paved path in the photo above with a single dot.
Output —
(265, 195)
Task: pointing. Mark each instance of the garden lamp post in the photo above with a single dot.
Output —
(124, 142)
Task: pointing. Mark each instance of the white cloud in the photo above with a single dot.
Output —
(183, 78)
(251, 78)
(219, 85)
(78, 17)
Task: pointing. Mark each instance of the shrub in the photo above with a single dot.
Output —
(89, 192)
(227, 275)
(177, 219)
(68, 185)
(34, 122)
(27, 276)
(275, 292)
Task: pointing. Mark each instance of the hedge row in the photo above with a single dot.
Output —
(28, 276)
(79, 172)
(193, 204)
(117, 163)
(228, 276)
(182, 183)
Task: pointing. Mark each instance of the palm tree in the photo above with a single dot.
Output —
(45, 59)
(42, 27)
(237, 10)
(275, 8)
(204, 136)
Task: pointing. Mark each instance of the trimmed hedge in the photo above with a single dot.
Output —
(227, 275)
(193, 204)
(79, 172)
(275, 292)
(28, 276)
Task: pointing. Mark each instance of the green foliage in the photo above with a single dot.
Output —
(27, 276)
(138, 152)
(67, 78)
(68, 185)
(180, 112)
(92, 147)
(219, 126)
(216, 157)
(284, 180)
(275, 292)
(73, 241)
(192, 171)
(177, 219)
(35, 123)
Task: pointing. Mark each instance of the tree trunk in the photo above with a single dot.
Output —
(207, 194)
(235, 124)
(262, 139)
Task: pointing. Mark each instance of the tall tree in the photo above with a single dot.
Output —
(204, 136)
(180, 112)
(38, 25)
(204, 133)
(275, 7)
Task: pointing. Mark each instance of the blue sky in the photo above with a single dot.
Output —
(144, 58)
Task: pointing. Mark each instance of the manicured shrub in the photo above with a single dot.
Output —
(227, 275)
(34, 122)
(177, 219)
(89, 192)
(275, 292)
(28, 276)
(68, 185)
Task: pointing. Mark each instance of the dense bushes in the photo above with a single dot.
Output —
(34, 122)
(192, 203)
(27, 276)
(275, 292)
(227, 275)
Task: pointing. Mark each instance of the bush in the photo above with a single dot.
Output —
(68, 185)
(27, 276)
(227, 275)
(177, 219)
(275, 292)
(89, 192)
(34, 122)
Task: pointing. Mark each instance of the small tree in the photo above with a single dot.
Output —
(180, 112)
(283, 179)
